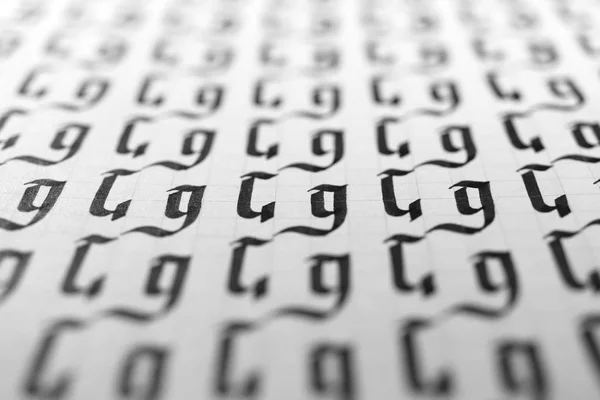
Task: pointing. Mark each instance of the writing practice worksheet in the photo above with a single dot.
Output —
(299, 199)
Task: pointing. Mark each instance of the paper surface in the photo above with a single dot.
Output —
(299, 199)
